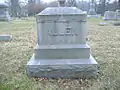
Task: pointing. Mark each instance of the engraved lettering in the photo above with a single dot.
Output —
(63, 34)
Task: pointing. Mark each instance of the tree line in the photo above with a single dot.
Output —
(29, 6)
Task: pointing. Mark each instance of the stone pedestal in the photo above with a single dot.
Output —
(62, 50)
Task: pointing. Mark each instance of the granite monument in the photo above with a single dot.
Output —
(61, 50)
(118, 14)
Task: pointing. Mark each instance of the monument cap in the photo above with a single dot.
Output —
(61, 10)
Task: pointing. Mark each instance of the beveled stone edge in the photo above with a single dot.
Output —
(62, 46)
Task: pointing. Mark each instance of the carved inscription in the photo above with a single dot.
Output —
(63, 34)
(67, 32)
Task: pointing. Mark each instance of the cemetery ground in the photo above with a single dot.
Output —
(103, 40)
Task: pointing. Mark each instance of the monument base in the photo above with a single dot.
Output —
(62, 68)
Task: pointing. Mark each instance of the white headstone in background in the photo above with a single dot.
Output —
(110, 15)
(62, 50)
(118, 14)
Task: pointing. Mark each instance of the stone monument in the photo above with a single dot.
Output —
(118, 14)
(61, 50)
(110, 15)
(92, 12)
(4, 14)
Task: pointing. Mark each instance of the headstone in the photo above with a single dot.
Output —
(62, 50)
(5, 37)
(92, 12)
(23, 13)
(118, 14)
(110, 15)
(4, 14)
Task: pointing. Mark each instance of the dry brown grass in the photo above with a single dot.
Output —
(104, 42)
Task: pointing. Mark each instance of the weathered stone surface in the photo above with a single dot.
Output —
(110, 15)
(5, 37)
(94, 16)
(92, 12)
(70, 51)
(62, 50)
(60, 26)
(61, 10)
(64, 68)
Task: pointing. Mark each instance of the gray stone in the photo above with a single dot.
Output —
(64, 68)
(65, 29)
(118, 14)
(61, 49)
(5, 37)
(103, 24)
(92, 12)
(110, 15)
(4, 14)
(60, 10)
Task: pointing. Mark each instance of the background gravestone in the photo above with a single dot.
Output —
(62, 50)
(92, 12)
(118, 14)
(110, 15)
(4, 14)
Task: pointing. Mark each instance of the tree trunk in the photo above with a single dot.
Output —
(14, 7)
(119, 4)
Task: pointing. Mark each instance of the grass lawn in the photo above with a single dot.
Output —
(105, 47)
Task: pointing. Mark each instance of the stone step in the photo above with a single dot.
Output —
(78, 51)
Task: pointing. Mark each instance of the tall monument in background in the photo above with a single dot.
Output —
(92, 10)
